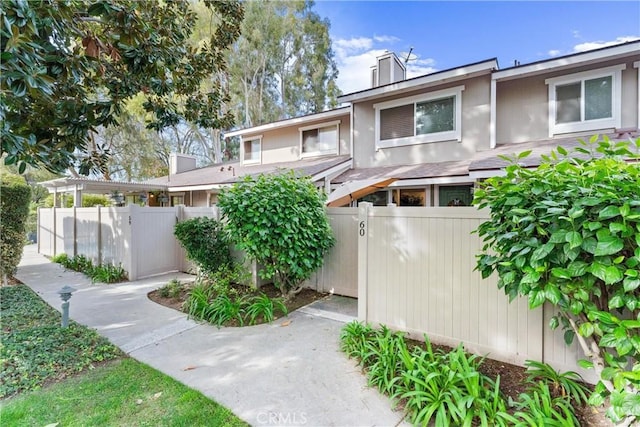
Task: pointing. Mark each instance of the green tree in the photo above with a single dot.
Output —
(282, 65)
(568, 233)
(280, 222)
(14, 208)
(69, 67)
(206, 243)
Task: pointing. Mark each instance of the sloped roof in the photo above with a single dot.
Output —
(228, 173)
(489, 160)
(423, 170)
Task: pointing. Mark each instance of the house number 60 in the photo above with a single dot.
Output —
(361, 231)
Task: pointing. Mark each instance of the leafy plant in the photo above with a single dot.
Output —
(566, 384)
(226, 276)
(568, 233)
(383, 359)
(354, 337)
(279, 221)
(61, 259)
(205, 242)
(171, 289)
(14, 210)
(107, 273)
(35, 350)
(538, 407)
(261, 306)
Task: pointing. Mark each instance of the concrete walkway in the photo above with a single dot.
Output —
(266, 374)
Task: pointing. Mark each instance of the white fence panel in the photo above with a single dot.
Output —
(339, 273)
(46, 232)
(156, 248)
(65, 231)
(115, 235)
(417, 267)
(88, 233)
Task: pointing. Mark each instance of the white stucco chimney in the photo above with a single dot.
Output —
(388, 69)
(179, 163)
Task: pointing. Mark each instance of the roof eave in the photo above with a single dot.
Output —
(342, 111)
(464, 72)
(573, 60)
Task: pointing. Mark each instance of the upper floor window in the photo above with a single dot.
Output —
(318, 140)
(585, 101)
(431, 117)
(252, 150)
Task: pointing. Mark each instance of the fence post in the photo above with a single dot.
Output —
(363, 260)
(75, 232)
(99, 235)
(132, 239)
(38, 228)
(55, 231)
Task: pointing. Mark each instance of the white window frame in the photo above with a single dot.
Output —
(318, 126)
(242, 151)
(615, 72)
(453, 135)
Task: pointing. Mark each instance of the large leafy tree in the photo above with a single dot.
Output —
(283, 64)
(70, 66)
(568, 234)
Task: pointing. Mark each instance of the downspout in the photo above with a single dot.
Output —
(351, 132)
(492, 114)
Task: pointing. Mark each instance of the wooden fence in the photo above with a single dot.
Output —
(416, 274)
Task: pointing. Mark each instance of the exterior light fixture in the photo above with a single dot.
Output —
(117, 197)
(65, 296)
(163, 198)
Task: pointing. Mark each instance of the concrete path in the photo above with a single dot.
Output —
(266, 374)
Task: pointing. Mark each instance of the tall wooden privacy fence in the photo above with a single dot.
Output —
(138, 238)
(416, 274)
(410, 268)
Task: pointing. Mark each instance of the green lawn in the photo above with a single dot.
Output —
(122, 393)
(74, 377)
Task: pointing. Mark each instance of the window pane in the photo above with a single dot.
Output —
(568, 103)
(597, 94)
(252, 150)
(396, 122)
(435, 116)
(323, 140)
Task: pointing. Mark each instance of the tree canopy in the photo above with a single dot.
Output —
(70, 67)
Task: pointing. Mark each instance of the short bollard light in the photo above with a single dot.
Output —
(65, 296)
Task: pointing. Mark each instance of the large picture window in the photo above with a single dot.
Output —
(585, 101)
(319, 140)
(420, 119)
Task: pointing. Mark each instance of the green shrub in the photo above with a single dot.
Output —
(261, 306)
(107, 273)
(15, 196)
(205, 242)
(568, 233)
(567, 384)
(538, 407)
(280, 222)
(61, 259)
(171, 289)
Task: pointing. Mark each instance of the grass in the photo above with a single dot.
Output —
(124, 392)
(74, 377)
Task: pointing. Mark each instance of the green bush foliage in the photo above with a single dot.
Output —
(103, 273)
(206, 243)
(35, 350)
(15, 196)
(444, 388)
(280, 222)
(568, 233)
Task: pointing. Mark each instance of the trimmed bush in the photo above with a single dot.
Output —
(280, 222)
(206, 243)
(15, 195)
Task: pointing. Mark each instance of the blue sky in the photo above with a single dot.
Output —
(448, 34)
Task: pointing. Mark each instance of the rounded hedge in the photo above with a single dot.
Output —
(15, 195)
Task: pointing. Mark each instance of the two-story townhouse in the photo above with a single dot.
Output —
(425, 141)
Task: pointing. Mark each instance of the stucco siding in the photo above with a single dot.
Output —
(283, 145)
(522, 107)
(475, 130)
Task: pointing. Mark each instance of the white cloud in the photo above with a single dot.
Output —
(354, 43)
(554, 52)
(355, 57)
(583, 47)
(386, 39)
